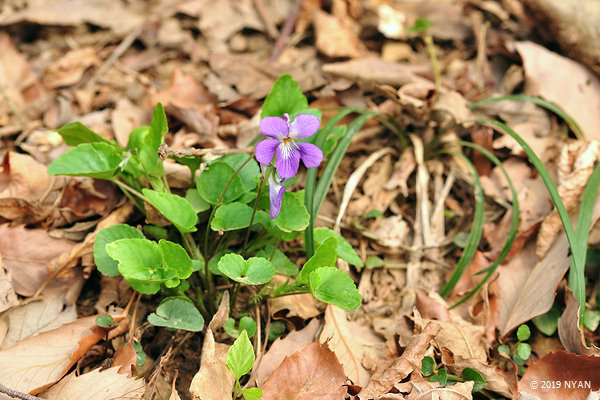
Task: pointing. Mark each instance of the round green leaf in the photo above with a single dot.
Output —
(240, 356)
(197, 202)
(277, 329)
(293, 215)
(176, 258)
(105, 321)
(334, 286)
(523, 333)
(104, 263)
(249, 174)
(427, 366)
(470, 374)
(254, 271)
(246, 323)
(212, 181)
(232, 216)
(344, 250)
(96, 160)
(177, 313)
(523, 350)
(325, 256)
(285, 97)
(174, 208)
(252, 393)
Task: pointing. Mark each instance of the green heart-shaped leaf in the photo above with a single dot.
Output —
(174, 208)
(232, 216)
(325, 256)
(177, 313)
(249, 174)
(334, 286)
(76, 133)
(104, 262)
(293, 215)
(344, 250)
(176, 258)
(212, 182)
(285, 97)
(254, 271)
(96, 160)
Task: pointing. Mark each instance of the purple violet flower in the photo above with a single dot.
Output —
(284, 147)
(276, 190)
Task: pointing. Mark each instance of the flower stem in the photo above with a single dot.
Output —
(262, 181)
(435, 66)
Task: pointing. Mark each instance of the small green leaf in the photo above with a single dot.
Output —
(96, 160)
(504, 350)
(252, 393)
(214, 261)
(344, 249)
(523, 350)
(155, 232)
(293, 215)
(285, 97)
(140, 356)
(106, 321)
(461, 239)
(422, 25)
(197, 202)
(427, 366)
(470, 374)
(591, 319)
(548, 323)
(249, 174)
(518, 360)
(277, 329)
(246, 324)
(177, 313)
(334, 286)
(441, 377)
(374, 262)
(158, 126)
(240, 356)
(373, 214)
(325, 256)
(212, 182)
(76, 133)
(176, 258)
(254, 271)
(230, 217)
(283, 265)
(523, 333)
(141, 263)
(174, 208)
(105, 264)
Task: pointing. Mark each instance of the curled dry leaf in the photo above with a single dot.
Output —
(313, 373)
(578, 376)
(384, 379)
(39, 361)
(35, 316)
(125, 357)
(304, 306)
(69, 69)
(373, 70)
(334, 39)
(8, 297)
(570, 333)
(282, 348)
(96, 385)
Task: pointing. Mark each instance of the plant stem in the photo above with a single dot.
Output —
(262, 181)
(435, 66)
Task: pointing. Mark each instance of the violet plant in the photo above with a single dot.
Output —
(224, 231)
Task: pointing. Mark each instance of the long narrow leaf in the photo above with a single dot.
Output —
(538, 101)
(311, 178)
(474, 235)
(514, 223)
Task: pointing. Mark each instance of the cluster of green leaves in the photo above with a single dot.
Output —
(226, 198)
(441, 375)
(521, 351)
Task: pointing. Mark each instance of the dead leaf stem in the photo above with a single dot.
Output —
(16, 394)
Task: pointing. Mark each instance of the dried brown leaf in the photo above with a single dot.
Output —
(96, 385)
(69, 69)
(313, 373)
(373, 70)
(569, 332)
(543, 66)
(282, 348)
(125, 358)
(38, 361)
(334, 39)
(578, 376)
(304, 306)
(384, 379)
(8, 297)
(24, 178)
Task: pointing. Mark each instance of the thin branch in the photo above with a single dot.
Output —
(16, 394)
(165, 151)
(286, 31)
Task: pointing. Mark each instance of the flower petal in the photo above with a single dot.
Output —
(287, 160)
(310, 154)
(276, 191)
(303, 126)
(274, 127)
(265, 150)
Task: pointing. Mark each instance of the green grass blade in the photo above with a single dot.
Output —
(584, 221)
(577, 261)
(537, 101)
(311, 178)
(514, 223)
(335, 159)
(474, 235)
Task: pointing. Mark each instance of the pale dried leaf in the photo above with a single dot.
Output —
(124, 118)
(578, 370)
(313, 373)
(334, 39)
(69, 69)
(303, 305)
(543, 66)
(569, 332)
(373, 70)
(282, 348)
(8, 297)
(392, 231)
(38, 361)
(125, 357)
(96, 385)
(25, 177)
(347, 346)
(403, 168)
(34, 317)
(384, 379)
